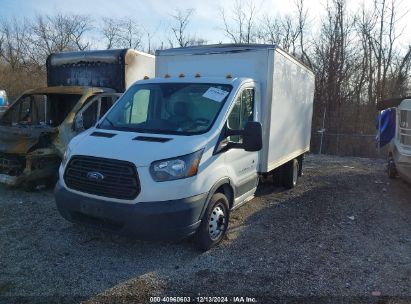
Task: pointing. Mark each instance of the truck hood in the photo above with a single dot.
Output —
(20, 139)
(139, 148)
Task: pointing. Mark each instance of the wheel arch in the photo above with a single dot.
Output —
(224, 186)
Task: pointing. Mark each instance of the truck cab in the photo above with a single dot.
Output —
(36, 129)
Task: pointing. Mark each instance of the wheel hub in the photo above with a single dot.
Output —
(217, 222)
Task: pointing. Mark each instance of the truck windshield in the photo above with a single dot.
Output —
(168, 108)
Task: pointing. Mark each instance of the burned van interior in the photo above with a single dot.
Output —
(40, 110)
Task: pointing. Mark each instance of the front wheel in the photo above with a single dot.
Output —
(214, 223)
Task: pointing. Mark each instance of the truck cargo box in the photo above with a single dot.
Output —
(286, 91)
(116, 69)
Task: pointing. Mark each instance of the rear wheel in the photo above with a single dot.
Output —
(30, 186)
(278, 177)
(214, 223)
(290, 174)
(391, 169)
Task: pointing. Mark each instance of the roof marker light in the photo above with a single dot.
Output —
(167, 76)
(146, 77)
(181, 75)
(197, 75)
(229, 76)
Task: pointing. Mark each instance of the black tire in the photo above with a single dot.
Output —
(203, 237)
(30, 186)
(51, 182)
(278, 177)
(290, 174)
(391, 169)
(300, 165)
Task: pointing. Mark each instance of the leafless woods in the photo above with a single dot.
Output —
(357, 56)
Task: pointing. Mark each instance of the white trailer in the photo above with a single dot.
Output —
(177, 153)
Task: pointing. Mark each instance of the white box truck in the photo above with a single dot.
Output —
(176, 153)
(81, 86)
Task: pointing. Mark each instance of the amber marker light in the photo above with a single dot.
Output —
(194, 167)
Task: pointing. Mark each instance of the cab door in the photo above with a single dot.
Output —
(242, 164)
(91, 113)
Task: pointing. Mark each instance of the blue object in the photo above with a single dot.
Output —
(387, 129)
(3, 98)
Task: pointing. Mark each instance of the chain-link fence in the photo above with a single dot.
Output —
(359, 145)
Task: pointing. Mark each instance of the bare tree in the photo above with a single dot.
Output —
(150, 35)
(58, 33)
(130, 35)
(13, 38)
(270, 30)
(289, 34)
(110, 31)
(122, 33)
(302, 22)
(181, 20)
(241, 26)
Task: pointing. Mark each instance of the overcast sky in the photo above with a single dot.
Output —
(154, 15)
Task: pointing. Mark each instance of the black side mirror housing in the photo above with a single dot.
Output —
(252, 136)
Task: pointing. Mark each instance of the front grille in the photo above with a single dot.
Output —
(120, 178)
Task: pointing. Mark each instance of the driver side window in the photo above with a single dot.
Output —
(243, 112)
(93, 111)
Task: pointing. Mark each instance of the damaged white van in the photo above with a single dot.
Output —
(176, 153)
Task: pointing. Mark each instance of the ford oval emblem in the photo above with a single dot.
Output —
(95, 176)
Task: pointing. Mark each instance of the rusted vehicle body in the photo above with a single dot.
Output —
(36, 129)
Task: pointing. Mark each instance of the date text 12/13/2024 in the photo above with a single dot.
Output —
(203, 299)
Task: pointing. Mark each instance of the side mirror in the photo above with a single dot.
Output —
(252, 136)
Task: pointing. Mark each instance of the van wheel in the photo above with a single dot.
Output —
(278, 177)
(214, 223)
(30, 186)
(391, 170)
(290, 172)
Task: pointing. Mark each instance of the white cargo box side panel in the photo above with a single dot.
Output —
(248, 63)
(290, 117)
(138, 65)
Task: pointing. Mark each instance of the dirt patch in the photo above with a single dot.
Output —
(343, 233)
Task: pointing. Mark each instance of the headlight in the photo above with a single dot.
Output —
(66, 157)
(176, 168)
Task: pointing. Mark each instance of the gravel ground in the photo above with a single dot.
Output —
(343, 235)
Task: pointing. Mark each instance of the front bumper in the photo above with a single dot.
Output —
(173, 219)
